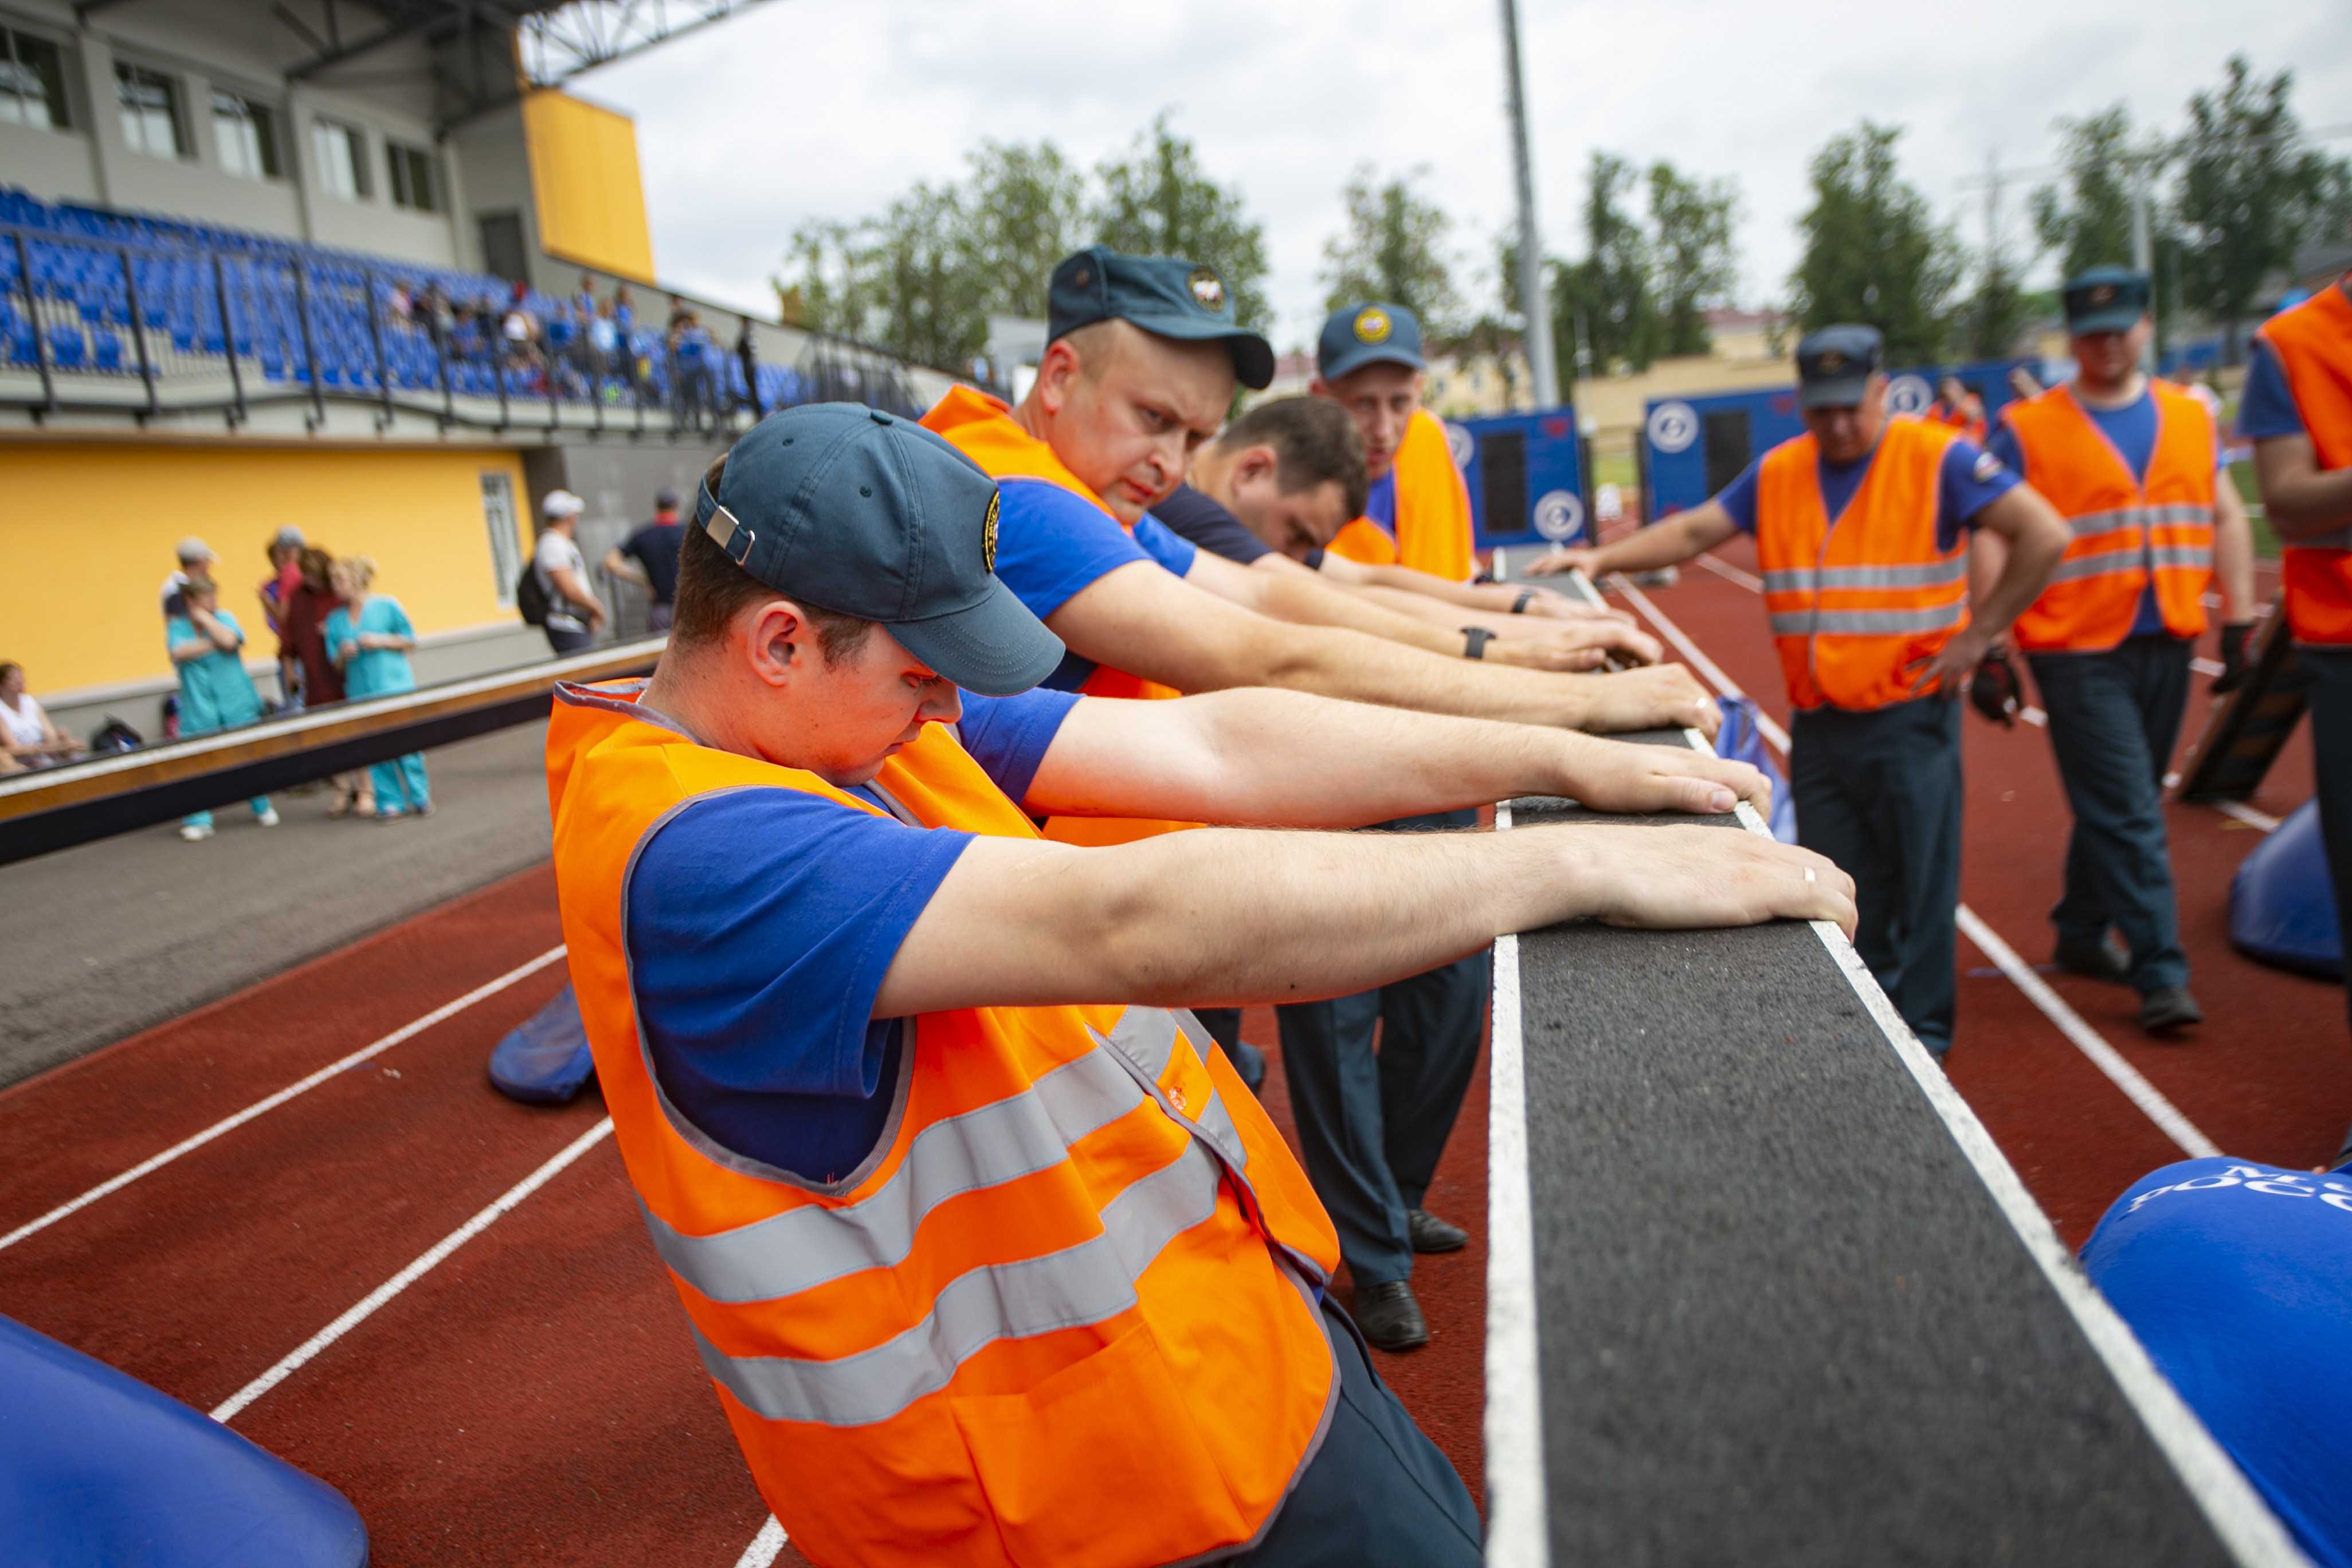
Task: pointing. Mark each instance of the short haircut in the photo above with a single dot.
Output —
(1315, 443)
(712, 591)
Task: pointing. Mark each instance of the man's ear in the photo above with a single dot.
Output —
(1256, 464)
(1055, 372)
(1321, 388)
(774, 634)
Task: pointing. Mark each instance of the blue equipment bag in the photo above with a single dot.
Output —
(2281, 903)
(1742, 741)
(96, 1467)
(545, 1060)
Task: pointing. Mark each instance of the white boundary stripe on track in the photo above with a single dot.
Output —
(366, 1307)
(1724, 569)
(2244, 1523)
(446, 1011)
(2094, 1046)
(765, 1547)
(1519, 1528)
(2246, 813)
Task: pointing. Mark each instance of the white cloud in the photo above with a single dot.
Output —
(809, 109)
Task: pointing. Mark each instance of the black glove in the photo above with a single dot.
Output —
(2233, 658)
(1994, 688)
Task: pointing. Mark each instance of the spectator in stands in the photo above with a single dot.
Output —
(195, 558)
(583, 298)
(518, 333)
(275, 592)
(305, 635)
(747, 355)
(28, 738)
(207, 645)
(693, 366)
(649, 559)
(369, 637)
(605, 348)
(625, 309)
(574, 614)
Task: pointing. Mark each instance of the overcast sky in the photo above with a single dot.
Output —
(803, 109)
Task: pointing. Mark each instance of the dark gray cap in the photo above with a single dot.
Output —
(1167, 296)
(856, 512)
(2107, 299)
(1834, 365)
(1368, 333)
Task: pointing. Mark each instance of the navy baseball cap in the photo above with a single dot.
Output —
(1167, 296)
(864, 514)
(1834, 365)
(664, 499)
(2107, 299)
(1364, 334)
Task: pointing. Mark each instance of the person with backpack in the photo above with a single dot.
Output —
(553, 593)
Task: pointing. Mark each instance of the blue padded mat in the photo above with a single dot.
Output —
(98, 1468)
(2282, 904)
(545, 1060)
(1741, 740)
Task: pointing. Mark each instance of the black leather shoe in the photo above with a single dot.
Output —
(1389, 1317)
(2102, 960)
(1430, 1234)
(2168, 1008)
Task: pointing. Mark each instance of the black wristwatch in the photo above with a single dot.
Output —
(1520, 605)
(1474, 640)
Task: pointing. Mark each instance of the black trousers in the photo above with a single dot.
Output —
(1372, 1124)
(1879, 792)
(2114, 717)
(2331, 756)
(1224, 1026)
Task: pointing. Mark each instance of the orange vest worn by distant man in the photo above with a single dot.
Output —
(1857, 608)
(2121, 524)
(2312, 343)
(1419, 515)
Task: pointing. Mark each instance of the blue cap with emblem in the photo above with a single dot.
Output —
(1368, 333)
(1834, 365)
(852, 511)
(2105, 299)
(1167, 296)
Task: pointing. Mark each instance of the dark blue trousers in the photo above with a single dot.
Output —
(2331, 757)
(1879, 792)
(1224, 1026)
(2114, 716)
(1372, 1124)
(1378, 1494)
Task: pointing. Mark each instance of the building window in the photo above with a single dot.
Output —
(150, 102)
(246, 134)
(32, 81)
(411, 177)
(343, 159)
(506, 546)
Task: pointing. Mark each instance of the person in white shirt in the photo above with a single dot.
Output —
(28, 738)
(575, 613)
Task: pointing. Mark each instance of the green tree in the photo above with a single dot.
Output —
(1998, 312)
(1157, 201)
(1690, 224)
(1873, 252)
(1392, 249)
(1609, 292)
(1021, 210)
(2088, 220)
(2249, 194)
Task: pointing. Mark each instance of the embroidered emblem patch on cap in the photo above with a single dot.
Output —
(988, 536)
(1372, 325)
(1833, 360)
(1083, 278)
(1208, 288)
(2103, 294)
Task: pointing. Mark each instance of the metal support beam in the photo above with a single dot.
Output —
(1533, 306)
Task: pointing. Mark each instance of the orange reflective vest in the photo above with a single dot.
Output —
(2313, 345)
(1064, 1313)
(982, 428)
(1967, 417)
(1859, 602)
(2121, 524)
(1432, 510)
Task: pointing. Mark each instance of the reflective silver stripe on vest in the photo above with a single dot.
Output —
(2118, 519)
(1216, 1124)
(1808, 579)
(807, 1246)
(1145, 1037)
(1865, 623)
(2123, 562)
(1079, 1285)
(2193, 557)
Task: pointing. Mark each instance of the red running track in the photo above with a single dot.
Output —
(531, 1399)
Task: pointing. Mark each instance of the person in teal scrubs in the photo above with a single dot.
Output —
(369, 637)
(216, 693)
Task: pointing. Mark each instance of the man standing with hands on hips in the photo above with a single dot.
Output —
(2132, 464)
(1861, 528)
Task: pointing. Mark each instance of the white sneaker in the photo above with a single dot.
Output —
(267, 818)
(194, 831)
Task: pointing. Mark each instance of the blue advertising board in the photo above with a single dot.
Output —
(1693, 447)
(1524, 473)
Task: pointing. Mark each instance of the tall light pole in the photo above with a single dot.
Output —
(1532, 304)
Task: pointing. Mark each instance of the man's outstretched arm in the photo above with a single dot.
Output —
(1223, 916)
(1680, 538)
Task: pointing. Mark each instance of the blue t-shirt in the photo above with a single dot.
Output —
(2267, 408)
(2237, 1278)
(2131, 431)
(761, 922)
(1967, 483)
(1380, 502)
(1052, 543)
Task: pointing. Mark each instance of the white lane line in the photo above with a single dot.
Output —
(2247, 1528)
(1519, 1529)
(2207, 665)
(448, 1010)
(2247, 815)
(365, 1308)
(1724, 569)
(765, 1546)
(2087, 1040)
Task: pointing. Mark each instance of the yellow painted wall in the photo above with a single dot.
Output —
(584, 182)
(88, 533)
